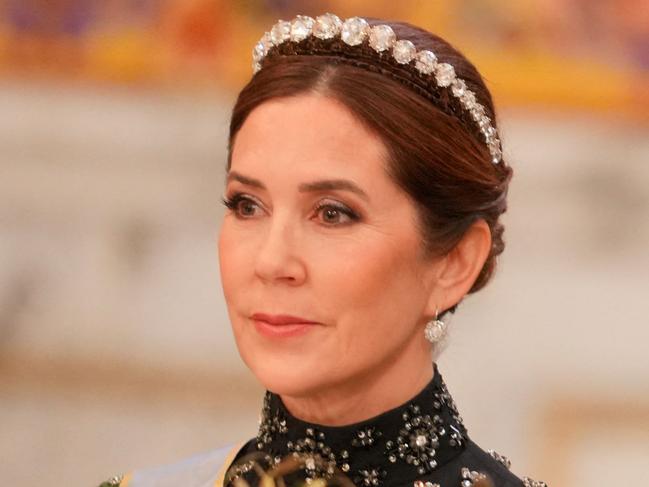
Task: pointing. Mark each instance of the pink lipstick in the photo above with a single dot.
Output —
(281, 326)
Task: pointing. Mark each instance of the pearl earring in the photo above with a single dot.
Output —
(435, 329)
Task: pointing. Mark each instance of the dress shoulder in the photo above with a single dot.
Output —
(497, 467)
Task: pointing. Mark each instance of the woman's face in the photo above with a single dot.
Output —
(318, 230)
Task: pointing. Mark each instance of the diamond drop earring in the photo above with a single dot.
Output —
(435, 329)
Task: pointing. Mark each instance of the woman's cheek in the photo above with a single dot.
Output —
(233, 270)
(367, 273)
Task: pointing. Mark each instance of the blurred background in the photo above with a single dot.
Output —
(115, 347)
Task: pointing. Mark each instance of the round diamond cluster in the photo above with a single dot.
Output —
(382, 39)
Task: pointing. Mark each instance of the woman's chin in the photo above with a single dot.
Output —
(291, 376)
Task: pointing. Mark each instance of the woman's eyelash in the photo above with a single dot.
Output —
(232, 202)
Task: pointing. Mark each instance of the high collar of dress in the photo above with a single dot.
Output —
(404, 443)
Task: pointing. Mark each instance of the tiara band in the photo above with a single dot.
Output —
(355, 31)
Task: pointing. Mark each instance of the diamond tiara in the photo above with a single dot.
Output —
(356, 31)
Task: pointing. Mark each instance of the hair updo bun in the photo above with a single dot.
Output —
(437, 155)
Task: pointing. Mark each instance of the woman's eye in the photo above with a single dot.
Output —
(336, 215)
(242, 206)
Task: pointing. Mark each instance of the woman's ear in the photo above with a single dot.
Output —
(459, 269)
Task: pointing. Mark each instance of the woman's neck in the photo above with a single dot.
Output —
(366, 395)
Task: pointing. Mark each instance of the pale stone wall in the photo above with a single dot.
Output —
(115, 345)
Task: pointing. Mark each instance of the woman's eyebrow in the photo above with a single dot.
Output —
(321, 185)
(235, 176)
(331, 184)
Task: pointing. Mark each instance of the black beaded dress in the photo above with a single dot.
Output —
(422, 443)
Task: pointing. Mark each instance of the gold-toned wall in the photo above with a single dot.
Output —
(568, 53)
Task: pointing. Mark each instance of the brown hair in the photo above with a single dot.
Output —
(437, 154)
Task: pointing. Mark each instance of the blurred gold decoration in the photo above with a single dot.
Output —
(473, 478)
(591, 56)
(565, 53)
(270, 473)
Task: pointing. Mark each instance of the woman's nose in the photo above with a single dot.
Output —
(278, 256)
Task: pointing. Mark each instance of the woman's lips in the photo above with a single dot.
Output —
(281, 319)
(277, 326)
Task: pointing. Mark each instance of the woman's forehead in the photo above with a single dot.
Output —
(307, 130)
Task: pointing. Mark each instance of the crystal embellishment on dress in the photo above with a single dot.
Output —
(382, 38)
(371, 477)
(320, 461)
(470, 477)
(417, 437)
(528, 482)
(366, 437)
(404, 51)
(270, 425)
(500, 458)
(421, 483)
(418, 440)
(355, 31)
